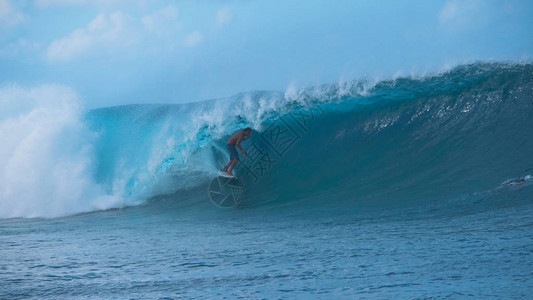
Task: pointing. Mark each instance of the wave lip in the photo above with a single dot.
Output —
(406, 139)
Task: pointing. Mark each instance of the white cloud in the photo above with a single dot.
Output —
(223, 16)
(461, 13)
(47, 3)
(5, 8)
(157, 31)
(193, 39)
(97, 3)
(163, 20)
(66, 48)
(104, 31)
(18, 48)
(9, 15)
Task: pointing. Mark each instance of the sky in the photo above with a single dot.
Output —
(115, 52)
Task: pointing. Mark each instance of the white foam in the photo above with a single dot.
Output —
(46, 155)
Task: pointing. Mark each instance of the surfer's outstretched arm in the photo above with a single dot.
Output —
(244, 152)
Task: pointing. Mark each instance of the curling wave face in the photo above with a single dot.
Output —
(405, 139)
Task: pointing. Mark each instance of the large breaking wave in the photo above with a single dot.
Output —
(466, 130)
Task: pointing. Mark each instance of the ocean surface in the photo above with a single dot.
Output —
(408, 187)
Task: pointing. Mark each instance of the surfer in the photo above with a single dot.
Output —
(235, 141)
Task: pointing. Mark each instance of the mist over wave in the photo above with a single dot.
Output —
(46, 157)
(461, 131)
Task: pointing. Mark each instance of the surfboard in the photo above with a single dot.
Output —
(223, 174)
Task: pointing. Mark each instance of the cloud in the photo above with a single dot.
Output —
(18, 48)
(193, 39)
(462, 13)
(5, 8)
(162, 21)
(9, 15)
(223, 16)
(47, 3)
(104, 30)
(115, 31)
(97, 3)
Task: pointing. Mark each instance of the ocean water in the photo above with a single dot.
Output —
(411, 187)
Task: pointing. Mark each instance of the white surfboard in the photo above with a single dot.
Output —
(223, 174)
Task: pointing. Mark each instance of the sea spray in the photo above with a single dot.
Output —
(46, 155)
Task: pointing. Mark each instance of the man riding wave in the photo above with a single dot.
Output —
(233, 142)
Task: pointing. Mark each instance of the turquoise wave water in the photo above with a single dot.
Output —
(461, 131)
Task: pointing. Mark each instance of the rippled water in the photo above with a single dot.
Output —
(163, 250)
